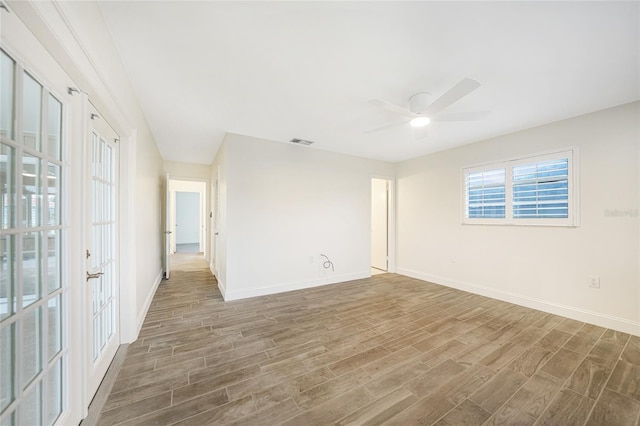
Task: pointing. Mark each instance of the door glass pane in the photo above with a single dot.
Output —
(111, 318)
(109, 165)
(7, 67)
(95, 156)
(94, 204)
(31, 191)
(105, 244)
(31, 345)
(53, 194)
(95, 295)
(7, 276)
(96, 337)
(31, 112)
(31, 407)
(54, 392)
(31, 267)
(53, 260)
(7, 371)
(54, 127)
(7, 187)
(54, 312)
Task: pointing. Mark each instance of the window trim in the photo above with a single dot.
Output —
(573, 217)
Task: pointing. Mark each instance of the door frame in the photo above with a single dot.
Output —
(95, 123)
(214, 220)
(183, 216)
(391, 219)
(179, 184)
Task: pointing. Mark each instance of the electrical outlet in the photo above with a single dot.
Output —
(594, 282)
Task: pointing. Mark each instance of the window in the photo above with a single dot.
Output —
(536, 190)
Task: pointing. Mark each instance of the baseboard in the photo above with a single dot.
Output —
(603, 320)
(281, 288)
(222, 287)
(147, 303)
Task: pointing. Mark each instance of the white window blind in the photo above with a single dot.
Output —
(486, 194)
(537, 190)
(541, 190)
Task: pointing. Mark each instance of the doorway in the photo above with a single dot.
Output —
(187, 216)
(380, 218)
(187, 222)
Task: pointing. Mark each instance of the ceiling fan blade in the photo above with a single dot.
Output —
(387, 126)
(457, 92)
(393, 108)
(462, 116)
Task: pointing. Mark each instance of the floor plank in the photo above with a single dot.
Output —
(384, 350)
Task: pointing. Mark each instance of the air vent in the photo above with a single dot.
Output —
(301, 141)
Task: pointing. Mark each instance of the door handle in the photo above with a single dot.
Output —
(167, 232)
(215, 233)
(93, 276)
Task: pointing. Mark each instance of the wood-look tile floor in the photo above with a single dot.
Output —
(384, 350)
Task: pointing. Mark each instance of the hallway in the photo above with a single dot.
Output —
(387, 348)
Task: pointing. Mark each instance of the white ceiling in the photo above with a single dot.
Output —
(279, 70)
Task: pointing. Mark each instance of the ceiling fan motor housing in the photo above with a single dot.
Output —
(419, 102)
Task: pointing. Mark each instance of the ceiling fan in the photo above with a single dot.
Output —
(421, 112)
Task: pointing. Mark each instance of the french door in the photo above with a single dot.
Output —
(102, 289)
(34, 289)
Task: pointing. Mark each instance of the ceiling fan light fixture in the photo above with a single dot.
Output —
(420, 121)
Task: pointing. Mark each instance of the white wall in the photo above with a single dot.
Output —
(543, 267)
(190, 171)
(149, 239)
(288, 204)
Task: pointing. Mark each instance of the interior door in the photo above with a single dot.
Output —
(167, 229)
(102, 255)
(216, 221)
(379, 224)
